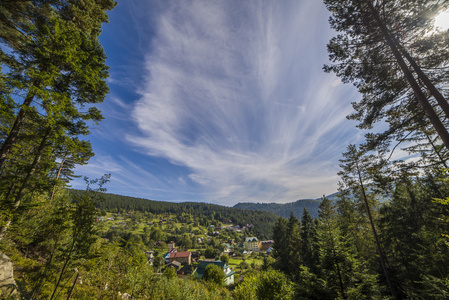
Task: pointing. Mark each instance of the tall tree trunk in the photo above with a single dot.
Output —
(43, 274)
(336, 264)
(57, 177)
(442, 102)
(73, 286)
(376, 238)
(443, 162)
(17, 126)
(61, 274)
(419, 94)
(25, 182)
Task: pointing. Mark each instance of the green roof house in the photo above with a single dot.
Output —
(229, 274)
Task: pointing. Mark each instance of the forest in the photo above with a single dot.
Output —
(384, 236)
(263, 221)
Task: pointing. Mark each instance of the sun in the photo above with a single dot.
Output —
(442, 21)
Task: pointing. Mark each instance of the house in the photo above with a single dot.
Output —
(171, 245)
(229, 274)
(252, 244)
(174, 264)
(185, 271)
(265, 245)
(150, 256)
(195, 256)
(158, 243)
(227, 247)
(167, 257)
(184, 258)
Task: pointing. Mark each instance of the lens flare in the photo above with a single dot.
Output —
(442, 21)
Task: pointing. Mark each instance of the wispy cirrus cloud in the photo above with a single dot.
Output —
(234, 92)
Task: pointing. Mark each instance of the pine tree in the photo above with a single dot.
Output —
(309, 247)
(59, 67)
(293, 250)
(330, 248)
(386, 50)
(280, 244)
(356, 167)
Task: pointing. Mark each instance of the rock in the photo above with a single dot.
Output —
(7, 283)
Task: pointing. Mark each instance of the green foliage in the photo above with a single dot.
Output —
(224, 258)
(284, 210)
(55, 66)
(265, 285)
(169, 273)
(214, 273)
(309, 247)
(243, 265)
(310, 286)
(379, 42)
(211, 252)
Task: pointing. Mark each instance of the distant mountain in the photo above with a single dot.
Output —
(297, 207)
(283, 210)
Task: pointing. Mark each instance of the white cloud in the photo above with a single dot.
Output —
(235, 92)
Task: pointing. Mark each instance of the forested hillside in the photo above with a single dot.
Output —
(283, 210)
(263, 221)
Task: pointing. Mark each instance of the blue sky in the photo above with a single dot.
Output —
(221, 102)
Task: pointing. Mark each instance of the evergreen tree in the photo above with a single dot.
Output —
(293, 250)
(58, 67)
(280, 244)
(341, 271)
(309, 247)
(378, 50)
(411, 230)
(356, 167)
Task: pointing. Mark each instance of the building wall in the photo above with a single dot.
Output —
(253, 246)
(229, 280)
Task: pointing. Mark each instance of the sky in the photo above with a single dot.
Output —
(221, 102)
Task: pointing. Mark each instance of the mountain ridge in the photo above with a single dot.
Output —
(284, 209)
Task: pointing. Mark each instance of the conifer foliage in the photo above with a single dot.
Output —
(389, 50)
(55, 72)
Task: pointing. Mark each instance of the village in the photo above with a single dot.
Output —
(185, 246)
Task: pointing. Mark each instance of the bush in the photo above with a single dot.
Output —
(224, 258)
(211, 252)
(265, 285)
(169, 273)
(214, 273)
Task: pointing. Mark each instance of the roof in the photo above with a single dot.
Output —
(204, 263)
(180, 254)
(251, 240)
(174, 263)
(267, 242)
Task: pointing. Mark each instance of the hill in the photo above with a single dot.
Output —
(263, 221)
(283, 210)
(297, 207)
